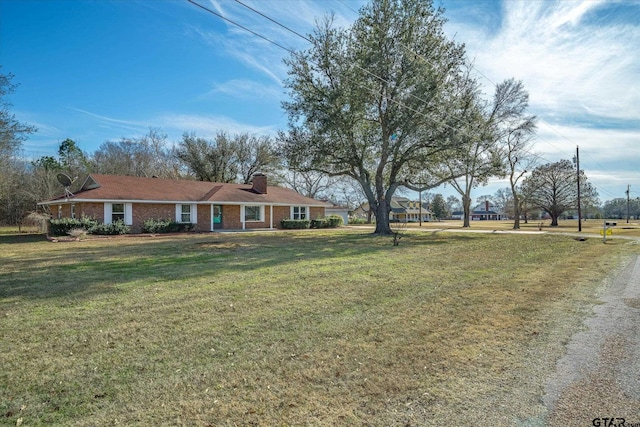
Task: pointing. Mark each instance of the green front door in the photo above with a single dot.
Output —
(216, 215)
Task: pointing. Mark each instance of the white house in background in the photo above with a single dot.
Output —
(402, 210)
(482, 212)
(340, 211)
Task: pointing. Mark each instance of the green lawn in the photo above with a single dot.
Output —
(290, 328)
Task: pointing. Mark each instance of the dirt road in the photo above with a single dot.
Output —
(597, 382)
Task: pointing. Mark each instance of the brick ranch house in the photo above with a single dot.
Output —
(209, 206)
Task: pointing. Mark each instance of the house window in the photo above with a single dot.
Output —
(73, 211)
(252, 213)
(117, 212)
(59, 211)
(185, 213)
(299, 212)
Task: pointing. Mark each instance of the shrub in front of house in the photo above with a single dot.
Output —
(153, 226)
(332, 221)
(356, 220)
(113, 229)
(67, 226)
(335, 221)
(319, 223)
(63, 226)
(295, 224)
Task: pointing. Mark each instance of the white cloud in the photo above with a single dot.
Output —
(263, 54)
(580, 62)
(114, 123)
(207, 126)
(569, 64)
(247, 89)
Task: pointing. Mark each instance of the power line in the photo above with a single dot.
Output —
(240, 26)
(399, 103)
(274, 21)
(381, 79)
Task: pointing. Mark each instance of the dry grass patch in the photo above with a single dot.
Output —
(318, 328)
(591, 226)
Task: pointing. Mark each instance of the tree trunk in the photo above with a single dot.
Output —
(554, 221)
(466, 211)
(382, 218)
(516, 213)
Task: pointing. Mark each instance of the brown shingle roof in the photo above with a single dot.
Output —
(131, 188)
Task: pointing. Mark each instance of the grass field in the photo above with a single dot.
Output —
(631, 229)
(290, 328)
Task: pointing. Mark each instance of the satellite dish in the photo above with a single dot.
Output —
(64, 179)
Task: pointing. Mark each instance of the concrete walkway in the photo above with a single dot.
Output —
(599, 377)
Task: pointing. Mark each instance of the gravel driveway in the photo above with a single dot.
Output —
(597, 382)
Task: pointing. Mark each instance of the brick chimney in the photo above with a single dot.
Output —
(259, 183)
(486, 205)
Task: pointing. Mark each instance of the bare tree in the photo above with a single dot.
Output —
(516, 130)
(227, 158)
(12, 132)
(553, 188)
(477, 159)
(13, 169)
(148, 155)
(310, 183)
(255, 154)
(503, 200)
(453, 204)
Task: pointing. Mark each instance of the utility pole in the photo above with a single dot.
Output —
(628, 201)
(578, 179)
(420, 207)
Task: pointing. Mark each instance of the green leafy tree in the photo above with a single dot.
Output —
(439, 207)
(73, 160)
(43, 183)
(378, 102)
(553, 188)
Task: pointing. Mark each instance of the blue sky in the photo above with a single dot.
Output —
(98, 70)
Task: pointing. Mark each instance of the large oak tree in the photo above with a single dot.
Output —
(553, 188)
(378, 102)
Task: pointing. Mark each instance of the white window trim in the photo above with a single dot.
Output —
(193, 216)
(243, 216)
(306, 212)
(128, 213)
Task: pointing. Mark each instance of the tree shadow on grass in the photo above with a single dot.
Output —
(88, 269)
(22, 238)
